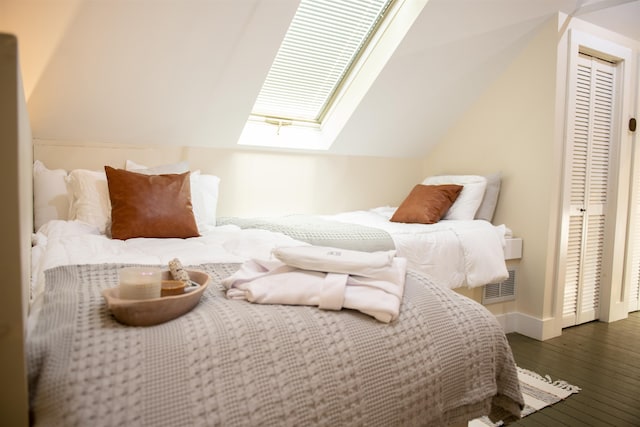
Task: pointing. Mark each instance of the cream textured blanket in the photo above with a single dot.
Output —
(229, 363)
(315, 230)
(329, 278)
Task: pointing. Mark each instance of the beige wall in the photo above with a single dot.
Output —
(510, 129)
(15, 217)
(517, 127)
(260, 183)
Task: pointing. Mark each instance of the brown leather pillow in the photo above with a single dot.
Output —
(150, 205)
(426, 204)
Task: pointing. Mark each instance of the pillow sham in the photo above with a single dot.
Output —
(468, 202)
(490, 200)
(426, 204)
(150, 205)
(90, 198)
(180, 167)
(51, 198)
(204, 194)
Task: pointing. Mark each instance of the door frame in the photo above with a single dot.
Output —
(612, 294)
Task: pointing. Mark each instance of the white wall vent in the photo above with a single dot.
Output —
(500, 292)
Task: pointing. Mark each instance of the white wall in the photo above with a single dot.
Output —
(187, 72)
(260, 183)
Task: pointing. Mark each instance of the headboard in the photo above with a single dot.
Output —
(16, 217)
(257, 183)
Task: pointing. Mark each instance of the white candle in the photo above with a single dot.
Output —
(140, 283)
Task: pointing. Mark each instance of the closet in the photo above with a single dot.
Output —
(589, 169)
(633, 267)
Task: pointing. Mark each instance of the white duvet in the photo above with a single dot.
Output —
(74, 243)
(452, 253)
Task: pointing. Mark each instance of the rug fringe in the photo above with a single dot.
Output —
(566, 386)
(558, 383)
(540, 395)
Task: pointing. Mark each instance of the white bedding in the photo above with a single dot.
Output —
(60, 243)
(452, 253)
(74, 242)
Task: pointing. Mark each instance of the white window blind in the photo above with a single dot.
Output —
(324, 40)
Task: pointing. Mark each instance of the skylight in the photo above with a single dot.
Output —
(329, 58)
(322, 43)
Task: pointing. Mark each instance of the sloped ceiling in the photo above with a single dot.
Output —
(187, 72)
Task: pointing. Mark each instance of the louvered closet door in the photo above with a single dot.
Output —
(589, 163)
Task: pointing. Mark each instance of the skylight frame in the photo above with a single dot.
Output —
(291, 93)
(281, 134)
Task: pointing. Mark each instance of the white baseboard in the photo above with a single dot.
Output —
(539, 329)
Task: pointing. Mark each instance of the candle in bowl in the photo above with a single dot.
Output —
(140, 283)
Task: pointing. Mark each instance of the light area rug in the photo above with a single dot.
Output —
(538, 392)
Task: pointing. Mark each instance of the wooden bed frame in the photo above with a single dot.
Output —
(15, 170)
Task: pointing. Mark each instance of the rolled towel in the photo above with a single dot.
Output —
(335, 260)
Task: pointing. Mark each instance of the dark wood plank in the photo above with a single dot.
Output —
(606, 400)
(601, 358)
(585, 371)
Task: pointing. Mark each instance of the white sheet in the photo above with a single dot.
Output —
(73, 242)
(452, 253)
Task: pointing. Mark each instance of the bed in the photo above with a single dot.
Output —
(452, 242)
(444, 360)
(454, 253)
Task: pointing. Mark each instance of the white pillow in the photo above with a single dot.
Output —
(180, 167)
(467, 203)
(51, 199)
(490, 200)
(91, 202)
(204, 196)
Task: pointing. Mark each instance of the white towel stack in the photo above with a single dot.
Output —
(329, 278)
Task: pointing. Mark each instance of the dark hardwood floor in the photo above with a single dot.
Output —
(601, 358)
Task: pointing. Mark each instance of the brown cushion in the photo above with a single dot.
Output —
(150, 205)
(426, 204)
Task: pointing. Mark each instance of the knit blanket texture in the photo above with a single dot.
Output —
(232, 363)
(319, 231)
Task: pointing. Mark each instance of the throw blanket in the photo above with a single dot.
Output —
(330, 278)
(319, 231)
(228, 363)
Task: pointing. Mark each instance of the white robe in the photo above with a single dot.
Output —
(329, 278)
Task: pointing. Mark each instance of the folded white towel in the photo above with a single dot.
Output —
(273, 282)
(334, 260)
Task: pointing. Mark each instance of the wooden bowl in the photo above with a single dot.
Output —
(157, 310)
